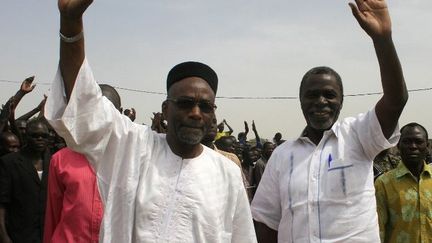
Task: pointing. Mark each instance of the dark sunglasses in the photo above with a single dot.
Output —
(187, 103)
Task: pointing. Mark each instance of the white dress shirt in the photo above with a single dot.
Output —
(150, 194)
(324, 192)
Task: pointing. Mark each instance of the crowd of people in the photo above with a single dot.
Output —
(77, 168)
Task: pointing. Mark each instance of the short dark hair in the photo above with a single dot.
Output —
(35, 121)
(321, 70)
(415, 124)
(112, 95)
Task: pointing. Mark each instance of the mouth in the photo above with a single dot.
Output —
(320, 114)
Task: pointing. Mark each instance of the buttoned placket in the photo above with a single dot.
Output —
(173, 198)
(314, 187)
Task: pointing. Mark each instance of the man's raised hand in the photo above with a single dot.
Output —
(373, 17)
(73, 9)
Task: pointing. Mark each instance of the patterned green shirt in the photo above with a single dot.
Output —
(405, 205)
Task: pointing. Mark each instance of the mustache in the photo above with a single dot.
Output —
(194, 125)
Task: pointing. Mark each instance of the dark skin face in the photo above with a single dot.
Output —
(211, 134)
(250, 156)
(187, 127)
(268, 150)
(37, 137)
(227, 144)
(21, 125)
(11, 144)
(413, 147)
(321, 101)
(238, 150)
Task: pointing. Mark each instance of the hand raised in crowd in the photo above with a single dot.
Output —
(158, 123)
(131, 113)
(6, 108)
(42, 103)
(41, 106)
(246, 127)
(373, 17)
(27, 85)
(253, 126)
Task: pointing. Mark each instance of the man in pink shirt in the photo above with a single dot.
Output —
(74, 208)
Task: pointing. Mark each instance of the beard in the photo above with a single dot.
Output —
(190, 136)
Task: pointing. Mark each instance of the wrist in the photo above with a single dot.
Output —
(70, 27)
(19, 94)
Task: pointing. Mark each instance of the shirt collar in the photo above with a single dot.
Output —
(332, 130)
(402, 170)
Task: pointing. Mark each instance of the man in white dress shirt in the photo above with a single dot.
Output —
(155, 187)
(319, 187)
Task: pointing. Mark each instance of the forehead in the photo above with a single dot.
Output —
(192, 87)
(319, 82)
(10, 138)
(37, 127)
(413, 132)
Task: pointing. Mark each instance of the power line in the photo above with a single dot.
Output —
(235, 97)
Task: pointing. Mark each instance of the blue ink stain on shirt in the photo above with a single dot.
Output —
(329, 160)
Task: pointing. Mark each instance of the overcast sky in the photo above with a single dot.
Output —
(258, 48)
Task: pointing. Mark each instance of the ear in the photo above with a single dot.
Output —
(164, 109)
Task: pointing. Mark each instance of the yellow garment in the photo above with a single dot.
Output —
(405, 205)
(221, 134)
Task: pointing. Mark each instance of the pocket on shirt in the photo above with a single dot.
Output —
(336, 180)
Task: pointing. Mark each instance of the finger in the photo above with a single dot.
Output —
(29, 79)
(355, 11)
(33, 86)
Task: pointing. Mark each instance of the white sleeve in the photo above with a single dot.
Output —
(370, 134)
(266, 205)
(91, 125)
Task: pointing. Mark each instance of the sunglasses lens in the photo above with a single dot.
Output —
(206, 107)
(185, 103)
(189, 103)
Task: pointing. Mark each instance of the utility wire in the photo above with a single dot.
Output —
(236, 97)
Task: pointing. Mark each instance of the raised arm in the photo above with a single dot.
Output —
(72, 40)
(5, 114)
(34, 111)
(230, 130)
(26, 87)
(257, 137)
(374, 18)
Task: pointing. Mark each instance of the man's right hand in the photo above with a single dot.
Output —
(73, 9)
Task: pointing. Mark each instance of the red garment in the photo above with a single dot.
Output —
(74, 207)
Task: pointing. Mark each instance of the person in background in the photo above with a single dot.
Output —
(74, 207)
(261, 163)
(221, 132)
(9, 143)
(23, 187)
(404, 194)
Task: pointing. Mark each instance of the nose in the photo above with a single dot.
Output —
(322, 99)
(195, 112)
(412, 145)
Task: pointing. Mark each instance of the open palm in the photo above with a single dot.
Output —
(373, 17)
